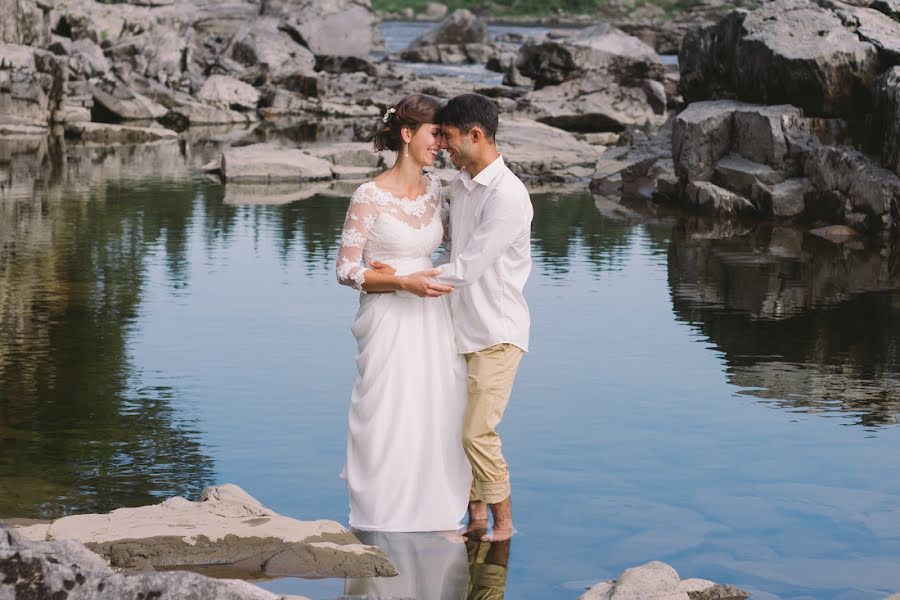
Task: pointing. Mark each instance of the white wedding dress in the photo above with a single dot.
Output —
(406, 469)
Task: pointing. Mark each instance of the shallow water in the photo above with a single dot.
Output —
(727, 406)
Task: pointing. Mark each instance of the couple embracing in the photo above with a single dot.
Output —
(438, 345)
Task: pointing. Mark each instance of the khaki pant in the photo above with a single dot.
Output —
(491, 375)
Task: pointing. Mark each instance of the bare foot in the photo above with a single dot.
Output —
(499, 534)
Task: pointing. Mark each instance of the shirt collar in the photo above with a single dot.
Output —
(485, 177)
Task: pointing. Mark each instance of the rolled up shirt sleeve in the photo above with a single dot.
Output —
(505, 218)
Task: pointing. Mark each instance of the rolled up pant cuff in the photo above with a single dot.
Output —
(492, 492)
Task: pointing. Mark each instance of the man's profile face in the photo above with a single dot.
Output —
(458, 145)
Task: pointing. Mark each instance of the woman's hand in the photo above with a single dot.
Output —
(421, 284)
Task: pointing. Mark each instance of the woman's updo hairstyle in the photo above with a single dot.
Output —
(412, 111)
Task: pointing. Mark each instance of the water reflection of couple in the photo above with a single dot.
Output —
(430, 568)
(431, 390)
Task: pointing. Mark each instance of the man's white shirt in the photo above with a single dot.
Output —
(490, 258)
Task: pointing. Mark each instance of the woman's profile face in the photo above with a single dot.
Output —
(426, 143)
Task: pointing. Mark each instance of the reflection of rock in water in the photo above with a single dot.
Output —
(430, 567)
(803, 323)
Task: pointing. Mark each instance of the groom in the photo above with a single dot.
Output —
(490, 260)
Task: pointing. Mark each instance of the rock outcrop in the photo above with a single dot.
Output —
(598, 80)
(809, 130)
(228, 527)
(460, 38)
(67, 569)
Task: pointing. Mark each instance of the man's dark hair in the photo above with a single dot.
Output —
(470, 110)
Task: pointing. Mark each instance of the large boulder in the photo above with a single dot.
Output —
(594, 103)
(265, 45)
(659, 581)
(461, 27)
(339, 27)
(227, 527)
(66, 569)
(602, 48)
(786, 51)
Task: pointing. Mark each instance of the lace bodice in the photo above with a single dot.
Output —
(398, 231)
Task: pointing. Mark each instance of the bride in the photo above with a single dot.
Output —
(406, 469)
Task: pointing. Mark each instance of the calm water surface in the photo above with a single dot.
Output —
(728, 406)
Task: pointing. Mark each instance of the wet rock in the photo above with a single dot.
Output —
(227, 92)
(227, 527)
(720, 592)
(104, 133)
(786, 51)
(714, 200)
(66, 569)
(265, 163)
(652, 581)
(338, 27)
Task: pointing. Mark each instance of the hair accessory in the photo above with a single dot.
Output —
(387, 114)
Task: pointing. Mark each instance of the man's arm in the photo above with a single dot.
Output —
(504, 219)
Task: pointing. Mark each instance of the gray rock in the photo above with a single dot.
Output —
(602, 48)
(744, 176)
(701, 135)
(652, 581)
(727, 592)
(461, 27)
(23, 23)
(871, 26)
(265, 163)
(786, 199)
(66, 569)
(338, 27)
(353, 154)
(435, 10)
(759, 132)
(589, 104)
(227, 92)
(887, 108)
(779, 53)
(123, 103)
(714, 200)
(535, 151)
(93, 61)
(32, 84)
(890, 8)
(837, 234)
(263, 44)
(344, 64)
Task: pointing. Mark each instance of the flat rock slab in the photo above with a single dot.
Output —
(537, 151)
(228, 527)
(66, 569)
(267, 163)
(105, 133)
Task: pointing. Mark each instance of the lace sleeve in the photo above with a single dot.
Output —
(361, 216)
